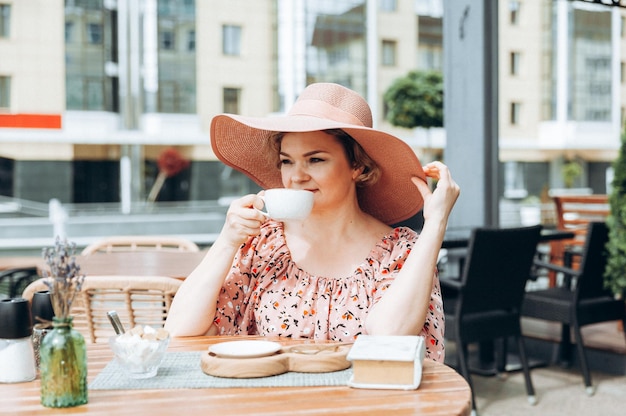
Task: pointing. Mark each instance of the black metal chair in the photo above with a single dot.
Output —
(485, 303)
(580, 299)
(14, 281)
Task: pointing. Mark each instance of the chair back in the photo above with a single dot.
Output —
(141, 243)
(590, 282)
(138, 300)
(14, 281)
(498, 265)
(575, 212)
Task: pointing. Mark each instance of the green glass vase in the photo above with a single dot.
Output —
(63, 367)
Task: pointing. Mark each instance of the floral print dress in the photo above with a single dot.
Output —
(266, 293)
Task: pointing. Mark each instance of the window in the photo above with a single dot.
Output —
(590, 81)
(166, 7)
(189, 6)
(176, 72)
(515, 113)
(514, 6)
(191, 41)
(94, 94)
(389, 53)
(91, 4)
(5, 91)
(94, 33)
(90, 41)
(622, 72)
(231, 42)
(167, 40)
(430, 43)
(597, 115)
(69, 32)
(169, 97)
(338, 54)
(515, 62)
(5, 20)
(231, 100)
(388, 5)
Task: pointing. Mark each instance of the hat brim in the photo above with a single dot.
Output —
(239, 142)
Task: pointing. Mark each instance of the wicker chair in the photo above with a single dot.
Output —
(580, 300)
(138, 300)
(484, 303)
(140, 243)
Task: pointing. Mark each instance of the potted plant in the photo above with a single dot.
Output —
(571, 171)
(615, 273)
(530, 210)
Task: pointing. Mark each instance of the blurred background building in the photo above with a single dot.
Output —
(93, 92)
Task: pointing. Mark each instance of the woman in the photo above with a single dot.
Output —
(343, 271)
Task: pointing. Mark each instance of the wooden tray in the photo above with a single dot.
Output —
(305, 358)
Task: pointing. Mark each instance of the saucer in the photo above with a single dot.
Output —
(245, 349)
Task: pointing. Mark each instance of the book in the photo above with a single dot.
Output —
(387, 361)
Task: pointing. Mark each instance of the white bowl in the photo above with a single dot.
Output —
(139, 358)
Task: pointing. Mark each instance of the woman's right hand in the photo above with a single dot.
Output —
(243, 219)
(193, 309)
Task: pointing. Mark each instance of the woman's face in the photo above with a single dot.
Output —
(317, 162)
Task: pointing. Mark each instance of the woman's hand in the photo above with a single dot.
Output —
(194, 307)
(439, 203)
(243, 219)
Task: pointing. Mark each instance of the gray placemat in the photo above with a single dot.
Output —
(181, 370)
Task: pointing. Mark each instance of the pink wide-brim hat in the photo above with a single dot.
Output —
(240, 142)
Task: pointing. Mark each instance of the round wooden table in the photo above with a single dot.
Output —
(442, 392)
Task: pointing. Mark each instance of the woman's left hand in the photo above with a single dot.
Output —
(438, 203)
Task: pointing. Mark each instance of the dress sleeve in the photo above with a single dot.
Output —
(434, 325)
(233, 315)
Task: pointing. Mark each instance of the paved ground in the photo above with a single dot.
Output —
(558, 391)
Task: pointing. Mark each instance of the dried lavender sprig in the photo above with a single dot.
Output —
(63, 277)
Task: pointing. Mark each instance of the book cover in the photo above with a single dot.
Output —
(387, 361)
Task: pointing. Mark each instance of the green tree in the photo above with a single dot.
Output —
(615, 273)
(416, 100)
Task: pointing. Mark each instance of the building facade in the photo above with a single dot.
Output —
(560, 94)
(93, 91)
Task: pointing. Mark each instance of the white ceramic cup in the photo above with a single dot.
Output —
(287, 204)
